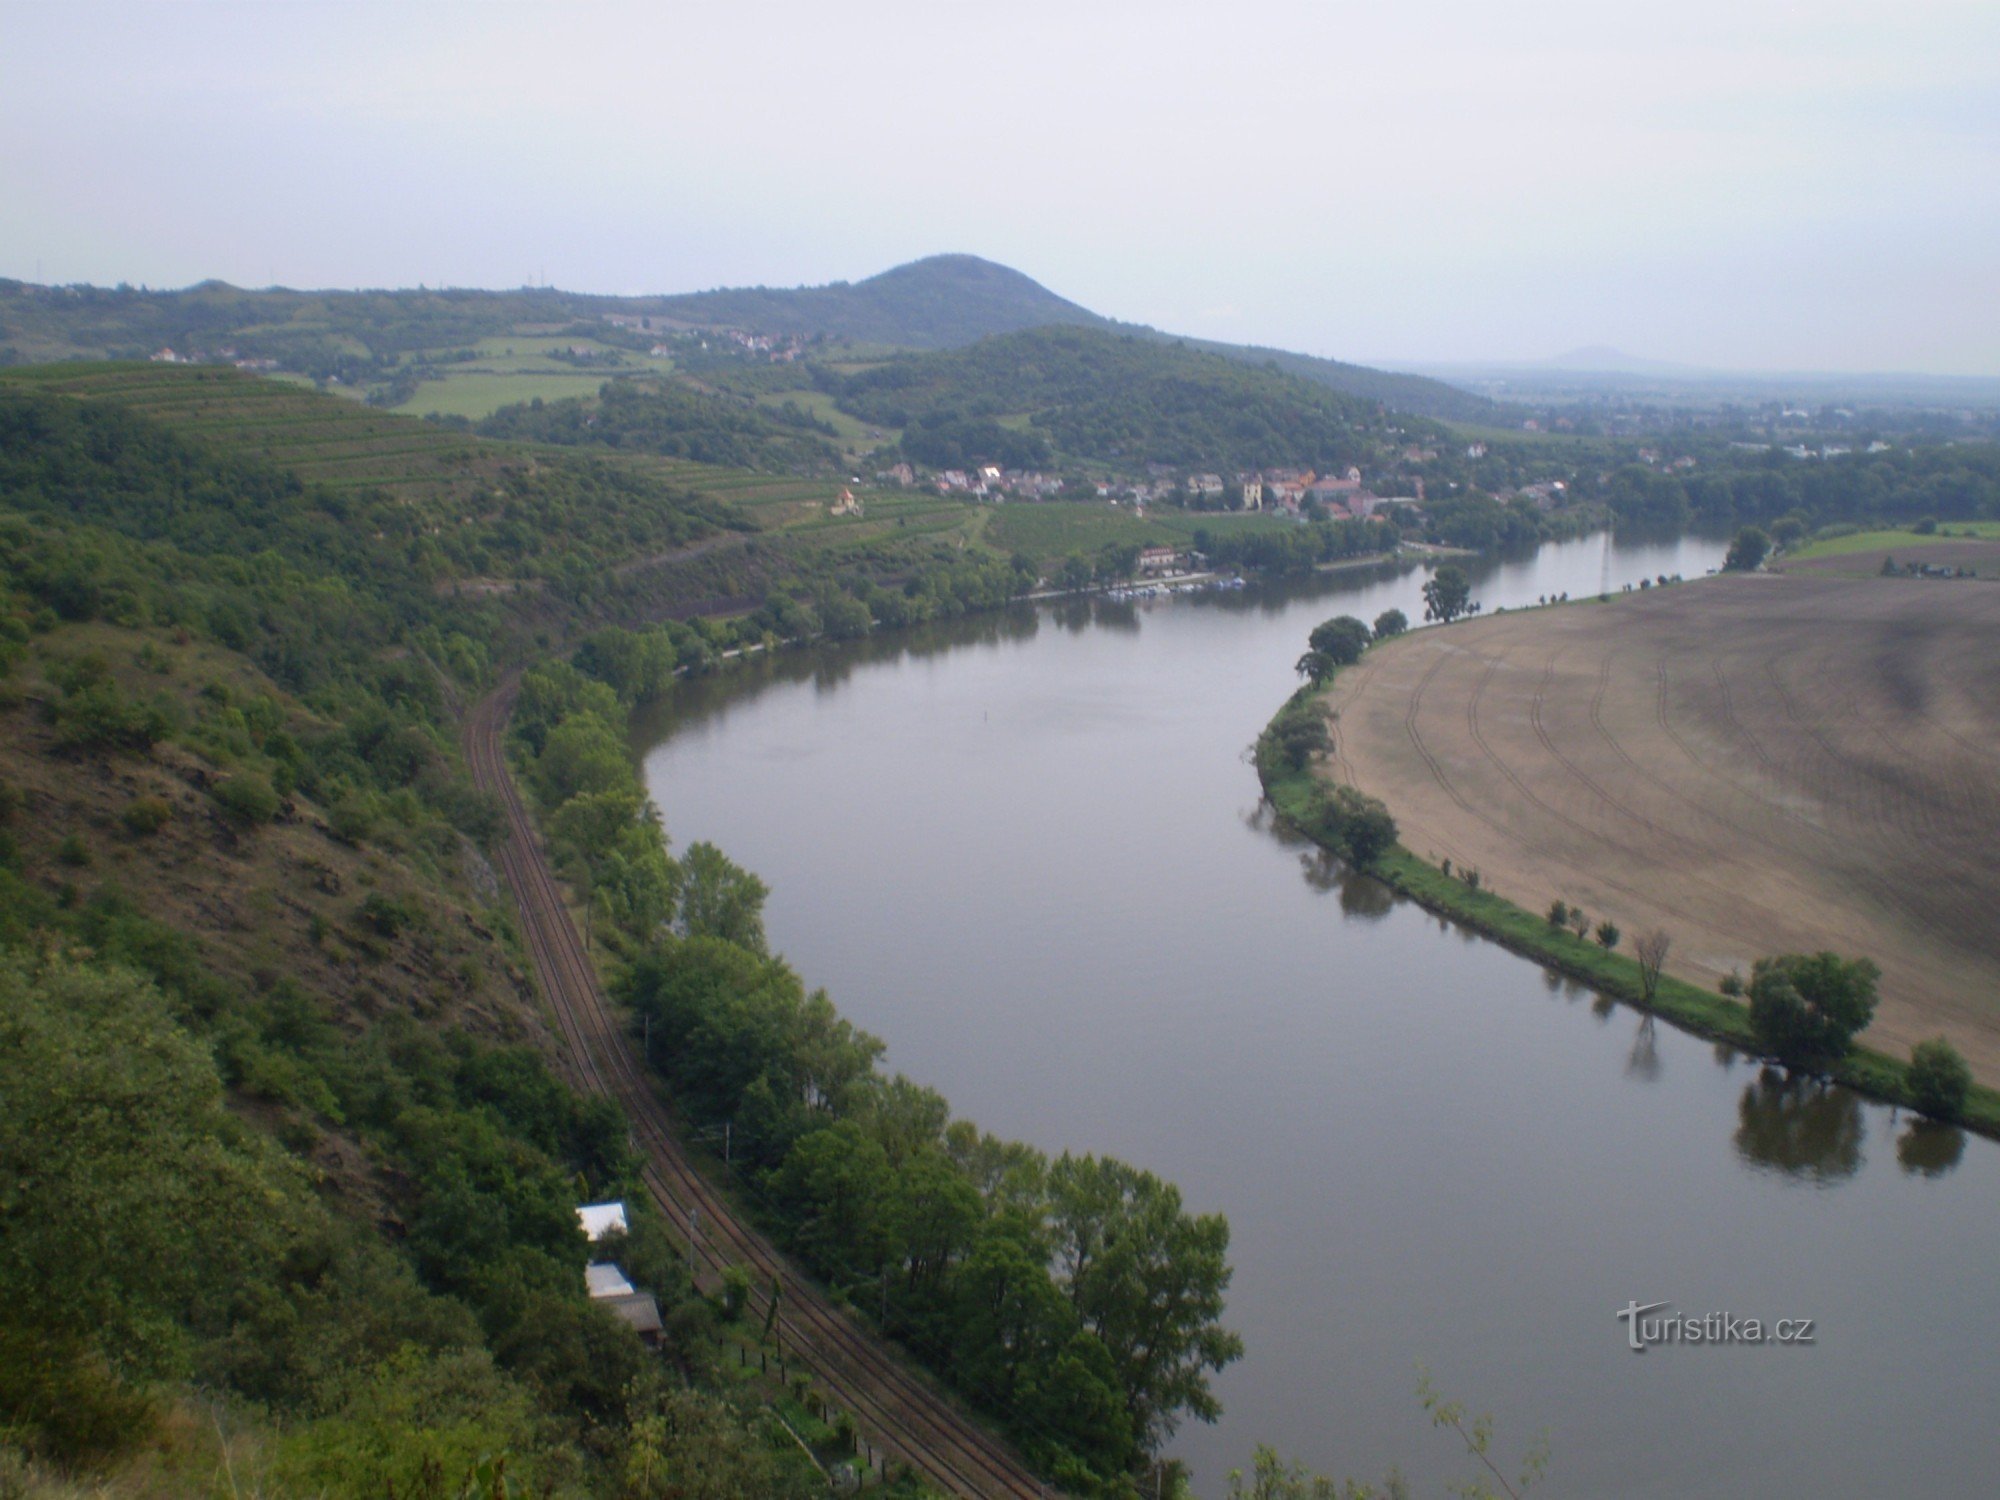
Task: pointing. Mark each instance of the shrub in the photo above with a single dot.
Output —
(1807, 1007)
(1939, 1079)
(1732, 984)
(1608, 935)
(1558, 913)
(147, 815)
(73, 851)
(247, 797)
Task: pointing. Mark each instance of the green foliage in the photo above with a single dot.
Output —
(121, 1160)
(416, 1424)
(669, 419)
(720, 899)
(144, 816)
(1342, 639)
(1447, 594)
(247, 797)
(1807, 1008)
(1391, 622)
(1114, 399)
(1295, 736)
(1148, 1280)
(1747, 553)
(1608, 935)
(1939, 1079)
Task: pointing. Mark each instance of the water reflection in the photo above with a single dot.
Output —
(1929, 1149)
(1643, 1061)
(1800, 1127)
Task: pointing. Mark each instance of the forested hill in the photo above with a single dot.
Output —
(1416, 394)
(936, 303)
(1064, 395)
(390, 341)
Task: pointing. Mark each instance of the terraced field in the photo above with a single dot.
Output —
(1757, 764)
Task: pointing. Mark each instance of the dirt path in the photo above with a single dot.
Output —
(1758, 765)
(900, 1412)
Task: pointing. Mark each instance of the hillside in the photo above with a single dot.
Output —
(468, 352)
(257, 968)
(1078, 395)
(935, 303)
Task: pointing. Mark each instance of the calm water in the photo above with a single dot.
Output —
(1028, 852)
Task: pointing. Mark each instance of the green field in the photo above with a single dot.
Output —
(1873, 541)
(477, 391)
(1054, 528)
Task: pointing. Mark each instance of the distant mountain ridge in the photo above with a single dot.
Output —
(947, 301)
(939, 302)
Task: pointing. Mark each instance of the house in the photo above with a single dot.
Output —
(606, 1283)
(1158, 559)
(1207, 486)
(899, 474)
(1253, 491)
(600, 1219)
(1475, 450)
(846, 505)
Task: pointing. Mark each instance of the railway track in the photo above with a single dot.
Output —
(900, 1414)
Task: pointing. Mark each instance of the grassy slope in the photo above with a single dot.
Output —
(1687, 1006)
(1869, 541)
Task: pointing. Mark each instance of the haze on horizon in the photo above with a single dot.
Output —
(1729, 183)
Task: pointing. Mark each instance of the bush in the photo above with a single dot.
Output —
(1806, 1008)
(247, 797)
(1732, 984)
(1391, 622)
(1558, 913)
(147, 815)
(73, 851)
(1938, 1079)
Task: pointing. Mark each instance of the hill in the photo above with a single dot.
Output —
(1083, 395)
(936, 303)
(469, 352)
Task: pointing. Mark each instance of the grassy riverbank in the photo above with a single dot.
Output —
(1688, 1006)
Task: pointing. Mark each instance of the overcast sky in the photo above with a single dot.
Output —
(1736, 183)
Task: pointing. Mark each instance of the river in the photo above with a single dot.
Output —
(1027, 850)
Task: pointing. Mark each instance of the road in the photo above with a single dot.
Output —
(899, 1413)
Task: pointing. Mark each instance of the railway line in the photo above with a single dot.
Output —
(899, 1413)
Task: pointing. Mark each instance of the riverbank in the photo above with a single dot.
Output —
(1701, 1012)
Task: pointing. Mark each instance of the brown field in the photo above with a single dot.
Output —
(1981, 556)
(1758, 764)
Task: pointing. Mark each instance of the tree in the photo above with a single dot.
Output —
(1343, 638)
(1650, 948)
(1558, 913)
(1447, 595)
(1939, 1079)
(1806, 1008)
(1315, 666)
(721, 899)
(1607, 935)
(1390, 622)
(1747, 552)
(1148, 1280)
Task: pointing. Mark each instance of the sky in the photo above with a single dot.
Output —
(1735, 184)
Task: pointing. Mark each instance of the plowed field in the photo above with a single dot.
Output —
(1757, 764)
